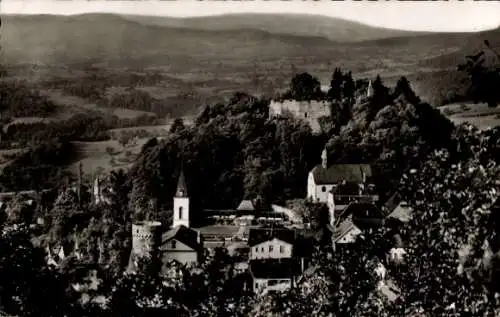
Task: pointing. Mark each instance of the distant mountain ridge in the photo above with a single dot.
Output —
(222, 54)
(334, 29)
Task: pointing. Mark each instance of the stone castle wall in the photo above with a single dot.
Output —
(309, 111)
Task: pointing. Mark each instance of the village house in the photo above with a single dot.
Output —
(181, 244)
(271, 243)
(323, 178)
(273, 275)
(277, 257)
(346, 232)
(354, 220)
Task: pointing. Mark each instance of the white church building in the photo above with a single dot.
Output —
(323, 179)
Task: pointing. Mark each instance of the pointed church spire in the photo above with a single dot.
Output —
(181, 186)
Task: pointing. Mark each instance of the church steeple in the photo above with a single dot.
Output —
(181, 203)
(181, 186)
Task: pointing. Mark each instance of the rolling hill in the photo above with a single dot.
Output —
(334, 29)
(116, 41)
(219, 55)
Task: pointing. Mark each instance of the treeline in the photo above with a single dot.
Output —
(42, 167)
(93, 86)
(136, 99)
(234, 151)
(18, 99)
(91, 126)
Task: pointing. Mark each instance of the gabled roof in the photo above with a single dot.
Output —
(400, 213)
(363, 210)
(246, 205)
(343, 229)
(392, 202)
(181, 186)
(267, 269)
(340, 172)
(259, 235)
(184, 235)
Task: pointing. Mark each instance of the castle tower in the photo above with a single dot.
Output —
(181, 203)
(369, 91)
(146, 236)
(324, 158)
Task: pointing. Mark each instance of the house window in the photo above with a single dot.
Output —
(180, 212)
(262, 249)
(270, 248)
(173, 244)
(323, 189)
(282, 249)
(305, 115)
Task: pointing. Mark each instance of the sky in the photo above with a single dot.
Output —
(442, 16)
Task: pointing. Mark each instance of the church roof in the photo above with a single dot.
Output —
(181, 186)
(184, 235)
(349, 188)
(340, 172)
(260, 235)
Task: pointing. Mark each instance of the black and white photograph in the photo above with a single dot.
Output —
(199, 158)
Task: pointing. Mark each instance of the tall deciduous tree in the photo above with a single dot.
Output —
(305, 87)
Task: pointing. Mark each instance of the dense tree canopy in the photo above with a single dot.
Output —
(234, 151)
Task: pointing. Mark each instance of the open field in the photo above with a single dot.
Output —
(74, 104)
(97, 157)
(477, 114)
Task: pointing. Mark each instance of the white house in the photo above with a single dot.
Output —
(271, 243)
(322, 179)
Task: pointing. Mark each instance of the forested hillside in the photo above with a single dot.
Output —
(235, 151)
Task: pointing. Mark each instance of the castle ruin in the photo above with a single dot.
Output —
(309, 111)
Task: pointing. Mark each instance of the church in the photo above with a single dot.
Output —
(323, 179)
(180, 243)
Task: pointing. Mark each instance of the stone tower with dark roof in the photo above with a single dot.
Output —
(181, 203)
